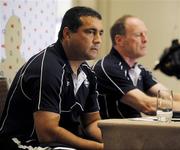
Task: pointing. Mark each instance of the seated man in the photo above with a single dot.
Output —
(55, 91)
(126, 85)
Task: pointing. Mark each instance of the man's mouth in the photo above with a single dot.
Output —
(96, 48)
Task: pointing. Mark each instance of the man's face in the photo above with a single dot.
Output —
(135, 40)
(84, 44)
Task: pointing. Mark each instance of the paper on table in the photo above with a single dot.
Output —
(152, 119)
(63, 148)
(144, 119)
(175, 119)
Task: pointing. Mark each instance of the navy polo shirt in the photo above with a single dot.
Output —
(45, 83)
(115, 78)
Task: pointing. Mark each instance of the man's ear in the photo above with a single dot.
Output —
(119, 39)
(66, 33)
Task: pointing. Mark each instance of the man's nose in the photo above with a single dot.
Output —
(97, 38)
(145, 38)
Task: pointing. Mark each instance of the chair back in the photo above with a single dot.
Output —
(3, 93)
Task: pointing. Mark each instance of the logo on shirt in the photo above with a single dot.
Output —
(67, 83)
(86, 83)
(140, 77)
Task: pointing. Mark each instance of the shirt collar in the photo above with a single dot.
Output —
(61, 52)
(121, 60)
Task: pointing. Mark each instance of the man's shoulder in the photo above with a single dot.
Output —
(143, 68)
(108, 60)
(47, 61)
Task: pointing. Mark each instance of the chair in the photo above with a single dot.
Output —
(3, 93)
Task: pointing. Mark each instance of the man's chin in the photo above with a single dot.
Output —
(91, 58)
(143, 53)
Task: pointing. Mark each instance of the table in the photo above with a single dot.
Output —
(139, 134)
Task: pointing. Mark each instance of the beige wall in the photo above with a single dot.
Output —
(162, 18)
(25, 29)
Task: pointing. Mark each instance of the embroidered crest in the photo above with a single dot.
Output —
(86, 83)
(67, 83)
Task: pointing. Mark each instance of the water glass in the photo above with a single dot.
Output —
(164, 105)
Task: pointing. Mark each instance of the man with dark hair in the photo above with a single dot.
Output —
(53, 98)
(127, 87)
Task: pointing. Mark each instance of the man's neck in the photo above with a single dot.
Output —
(75, 65)
(130, 61)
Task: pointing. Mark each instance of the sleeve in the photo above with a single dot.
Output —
(44, 84)
(148, 79)
(113, 79)
(50, 91)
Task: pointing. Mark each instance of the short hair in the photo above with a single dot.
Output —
(119, 27)
(72, 20)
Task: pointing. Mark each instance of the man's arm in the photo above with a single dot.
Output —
(89, 121)
(147, 103)
(154, 89)
(176, 96)
(140, 101)
(48, 131)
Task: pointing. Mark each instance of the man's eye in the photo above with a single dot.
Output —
(137, 34)
(101, 33)
(94, 32)
(90, 31)
(140, 34)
